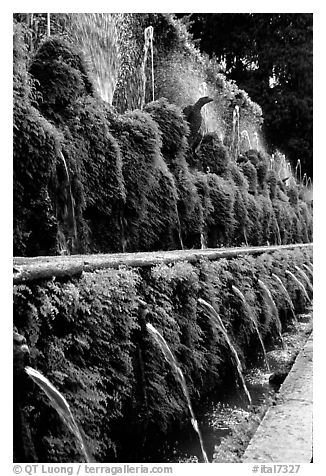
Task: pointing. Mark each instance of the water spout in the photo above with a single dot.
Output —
(219, 324)
(308, 269)
(286, 294)
(245, 135)
(298, 167)
(253, 320)
(98, 36)
(48, 24)
(305, 277)
(274, 308)
(148, 33)
(271, 162)
(256, 140)
(299, 283)
(181, 379)
(179, 227)
(203, 244)
(60, 404)
(68, 215)
(235, 132)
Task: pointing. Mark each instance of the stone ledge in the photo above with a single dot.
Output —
(285, 433)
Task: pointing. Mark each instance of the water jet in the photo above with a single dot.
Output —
(220, 326)
(169, 357)
(60, 404)
(269, 296)
(253, 321)
(299, 283)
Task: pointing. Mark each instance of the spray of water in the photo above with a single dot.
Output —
(60, 404)
(179, 226)
(235, 132)
(269, 296)
(181, 379)
(253, 320)
(309, 270)
(298, 283)
(298, 171)
(256, 137)
(220, 326)
(305, 277)
(148, 33)
(271, 162)
(98, 37)
(71, 205)
(286, 294)
(245, 135)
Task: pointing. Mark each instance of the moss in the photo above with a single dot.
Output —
(174, 130)
(236, 174)
(213, 155)
(36, 144)
(86, 336)
(94, 159)
(272, 183)
(221, 219)
(240, 215)
(254, 221)
(144, 171)
(62, 76)
(250, 173)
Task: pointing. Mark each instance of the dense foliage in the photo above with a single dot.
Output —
(270, 56)
(90, 177)
(95, 180)
(88, 336)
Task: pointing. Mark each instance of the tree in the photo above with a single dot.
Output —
(270, 56)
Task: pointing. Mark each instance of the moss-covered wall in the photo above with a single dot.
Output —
(87, 335)
(90, 179)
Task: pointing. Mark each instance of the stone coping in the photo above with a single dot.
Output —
(285, 433)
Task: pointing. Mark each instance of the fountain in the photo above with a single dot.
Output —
(274, 308)
(245, 135)
(299, 283)
(67, 212)
(298, 167)
(148, 33)
(203, 244)
(220, 326)
(286, 294)
(97, 35)
(60, 404)
(308, 269)
(181, 379)
(271, 162)
(235, 132)
(256, 140)
(203, 91)
(305, 277)
(179, 226)
(253, 320)
(48, 24)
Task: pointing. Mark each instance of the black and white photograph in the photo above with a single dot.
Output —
(162, 241)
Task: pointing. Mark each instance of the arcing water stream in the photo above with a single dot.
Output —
(180, 377)
(305, 277)
(220, 326)
(299, 283)
(226, 414)
(253, 320)
(60, 404)
(286, 294)
(269, 296)
(308, 269)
